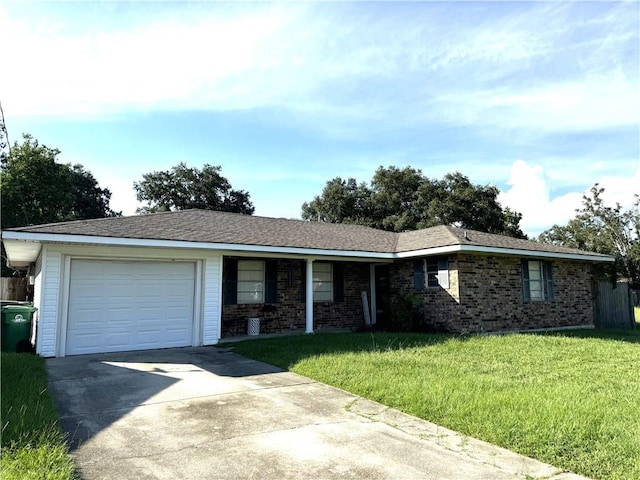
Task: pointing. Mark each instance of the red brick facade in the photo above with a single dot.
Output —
(485, 294)
(288, 313)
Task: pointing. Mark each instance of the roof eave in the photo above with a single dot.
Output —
(180, 244)
(310, 252)
(505, 251)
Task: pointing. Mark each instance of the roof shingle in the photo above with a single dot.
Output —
(207, 226)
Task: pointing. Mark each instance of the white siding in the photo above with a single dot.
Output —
(52, 289)
(49, 302)
(212, 293)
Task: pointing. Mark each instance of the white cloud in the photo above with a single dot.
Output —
(332, 66)
(161, 65)
(531, 195)
(506, 71)
(561, 106)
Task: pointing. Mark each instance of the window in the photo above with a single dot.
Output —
(322, 282)
(537, 281)
(328, 282)
(437, 272)
(250, 281)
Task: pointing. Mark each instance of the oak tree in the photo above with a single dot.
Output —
(182, 188)
(404, 199)
(37, 189)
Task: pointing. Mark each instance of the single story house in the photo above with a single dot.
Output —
(192, 277)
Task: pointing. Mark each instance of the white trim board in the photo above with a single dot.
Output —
(263, 250)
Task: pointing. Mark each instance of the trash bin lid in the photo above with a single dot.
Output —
(19, 308)
(14, 302)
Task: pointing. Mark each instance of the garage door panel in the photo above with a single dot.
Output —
(118, 306)
(83, 342)
(120, 339)
(149, 336)
(148, 315)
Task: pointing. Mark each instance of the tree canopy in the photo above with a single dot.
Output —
(182, 188)
(405, 199)
(603, 229)
(4, 142)
(37, 189)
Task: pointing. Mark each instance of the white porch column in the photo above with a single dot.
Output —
(372, 286)
(309, 296)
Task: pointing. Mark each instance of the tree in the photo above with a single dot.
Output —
(182, 188)
(393, 198)
(455, 200)
(37, 189)
(599, 228)
(342, 201)
(405, 199)
(4, 138)
(4, 142)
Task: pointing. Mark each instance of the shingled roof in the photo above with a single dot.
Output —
(211, 227)
(443, 235)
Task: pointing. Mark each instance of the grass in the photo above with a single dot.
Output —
(569, 399)
(33, 445)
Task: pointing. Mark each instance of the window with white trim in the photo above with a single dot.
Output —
(250, 281)
(537, 280)
(437, 272)
(322, 282)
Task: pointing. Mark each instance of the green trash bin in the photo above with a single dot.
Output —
(16, 327)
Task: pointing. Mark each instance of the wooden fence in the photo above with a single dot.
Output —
(614, 306)
(13, 288)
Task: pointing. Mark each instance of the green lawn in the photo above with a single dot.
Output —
(32, 444)
(572, 399)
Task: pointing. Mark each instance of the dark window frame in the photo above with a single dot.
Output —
(230, 281)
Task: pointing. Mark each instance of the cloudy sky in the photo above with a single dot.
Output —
(540, 99)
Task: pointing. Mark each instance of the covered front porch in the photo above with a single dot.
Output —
(295, 295)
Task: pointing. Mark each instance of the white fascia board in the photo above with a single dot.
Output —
(504, 251)
(139, 242)
(424, 252)
(309, 252)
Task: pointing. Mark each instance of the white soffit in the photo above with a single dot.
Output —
(21, 253)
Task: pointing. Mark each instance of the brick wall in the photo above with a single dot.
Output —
(485, 295)
(437, 308)
(290, 308)
(349, 313)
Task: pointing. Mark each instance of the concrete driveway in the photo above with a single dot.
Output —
(207, 413)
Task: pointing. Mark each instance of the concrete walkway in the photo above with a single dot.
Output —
(207, 413)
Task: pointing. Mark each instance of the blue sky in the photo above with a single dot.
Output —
(541, 99)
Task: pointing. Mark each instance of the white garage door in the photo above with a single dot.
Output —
(116, 306)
